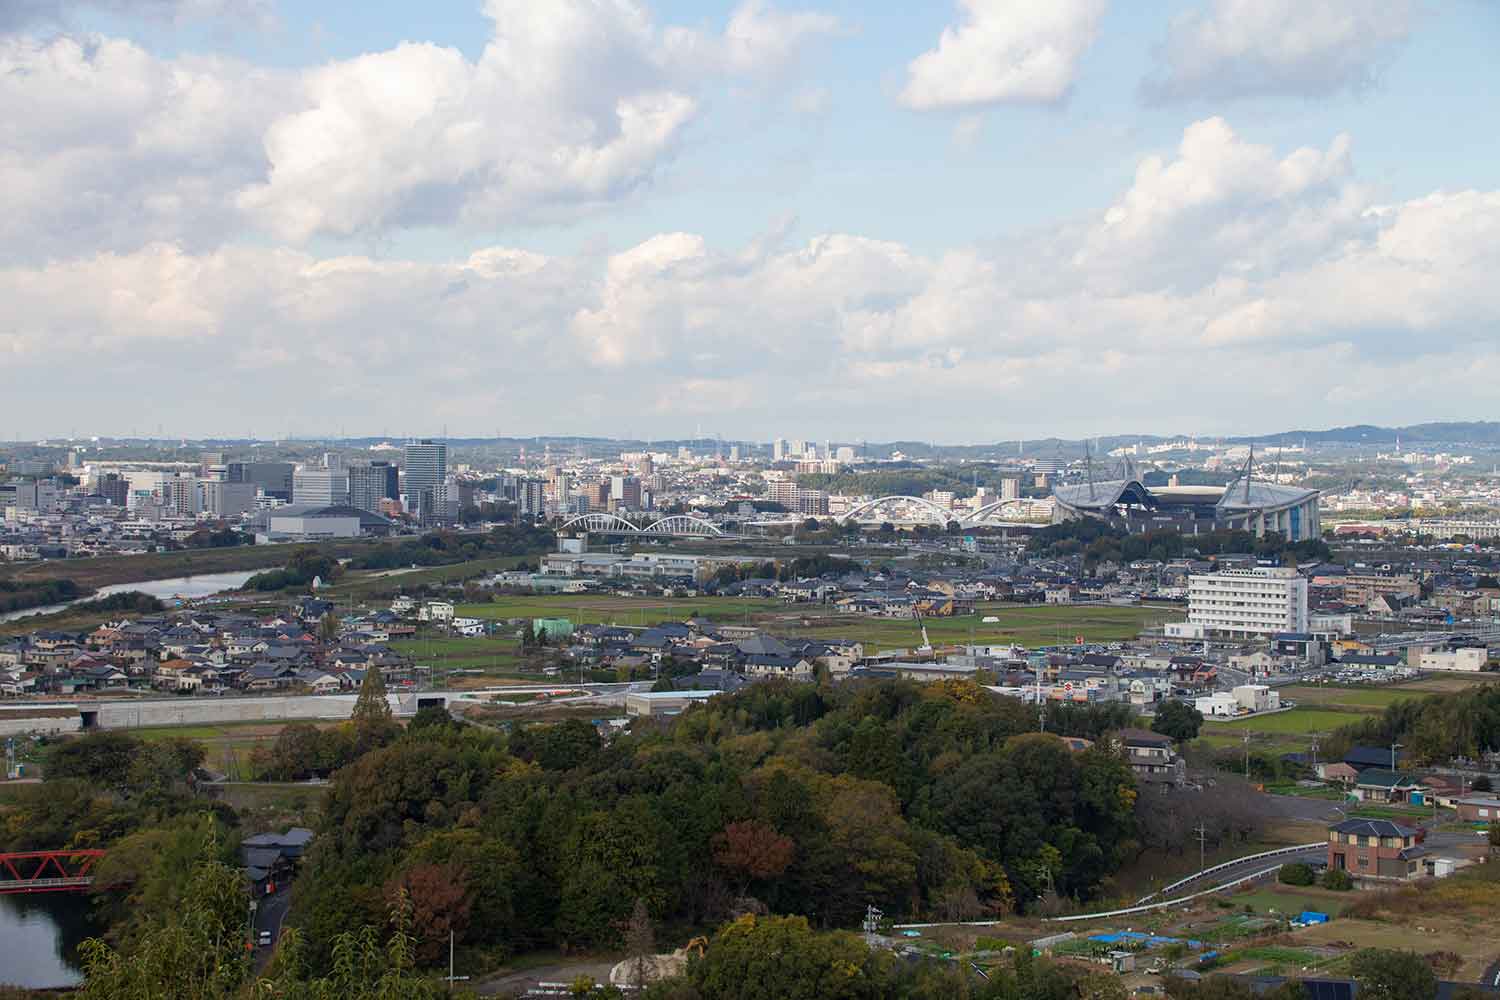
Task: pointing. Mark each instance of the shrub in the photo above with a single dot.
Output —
(1295, 873)
(1339, 881)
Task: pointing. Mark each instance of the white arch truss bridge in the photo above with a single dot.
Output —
(900, 509)
(674, 526)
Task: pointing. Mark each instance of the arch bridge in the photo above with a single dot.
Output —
(673, 526)
(918, 510)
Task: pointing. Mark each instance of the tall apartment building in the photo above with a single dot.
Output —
(1010, 488)
(320, 486)
(370, 484)
(1259, 601)
(625, 492)
(530, 499)
(274, 479)
(426, 470)
(183, 496)
(778, 450)
(113, 487)
(796, 499)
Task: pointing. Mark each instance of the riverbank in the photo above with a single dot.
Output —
(106, 571)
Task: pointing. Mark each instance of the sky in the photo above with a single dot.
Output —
(957, 221)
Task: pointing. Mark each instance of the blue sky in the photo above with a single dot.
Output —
(806, 230)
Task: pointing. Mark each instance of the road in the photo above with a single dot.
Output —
(269, 915)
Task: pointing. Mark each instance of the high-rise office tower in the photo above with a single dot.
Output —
(370, 484)
(426, 469)
(778, 449)
(321, 487)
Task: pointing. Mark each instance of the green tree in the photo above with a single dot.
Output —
(193, 952)
(1386, 974)
(1178, 720)
(781, 958)
(1295, 873)
(328, 628)
(374, 725)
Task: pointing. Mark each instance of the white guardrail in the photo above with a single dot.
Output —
(1253, 876)
(1280, 852)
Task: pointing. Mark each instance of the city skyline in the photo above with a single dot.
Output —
(562, 218)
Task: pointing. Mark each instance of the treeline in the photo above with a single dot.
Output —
(304, 566)
(927, 801)
(125, 600)
(1433, 730)
(442, 548)
(1099, 542)
(18, 595)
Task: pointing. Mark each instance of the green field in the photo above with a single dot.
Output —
(1296, 722)
(1026, 625)
(1349, 699)
(597, 609)
(1029, 625)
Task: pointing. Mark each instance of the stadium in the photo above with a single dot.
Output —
(1243, 505)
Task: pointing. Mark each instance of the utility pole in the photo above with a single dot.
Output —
(1202, 830)
(1248, 735)
(1394, 748)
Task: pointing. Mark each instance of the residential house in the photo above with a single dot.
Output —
(1377, 784)
(1153, 757)
(1375, 849)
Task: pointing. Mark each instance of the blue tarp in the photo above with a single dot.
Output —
(1312, 917)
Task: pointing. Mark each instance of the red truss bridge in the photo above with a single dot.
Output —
(47, 871)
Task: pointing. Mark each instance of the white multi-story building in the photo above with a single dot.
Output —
(1260, 601)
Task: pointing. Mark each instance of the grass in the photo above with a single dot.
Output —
(598, 609)
(1026, 625)
(1292, 901)
(106, 570)
(1296, 722)
(1346, 698)
(1029, 625)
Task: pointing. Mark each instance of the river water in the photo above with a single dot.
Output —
(185, 587)
(39, 938)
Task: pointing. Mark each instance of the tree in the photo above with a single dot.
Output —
(1386, 974)
(373, 723)
(328, 628)
(1295, 873)
(439, 903)
(1177, 719)
(640, 944)
(1482, 784)
(752, 851)
(781, 958)
(193, 952)
(1339, 881)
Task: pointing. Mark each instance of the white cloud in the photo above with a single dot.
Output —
(108, 147)
(1170, 307)
(572, 105)
(1004, 51)
(1248, 48)
(18, 14)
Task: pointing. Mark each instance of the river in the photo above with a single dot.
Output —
(39, 938)
(178, 586)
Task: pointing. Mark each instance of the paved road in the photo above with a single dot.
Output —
(269, 916)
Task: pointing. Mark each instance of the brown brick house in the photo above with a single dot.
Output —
(1375, 849)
